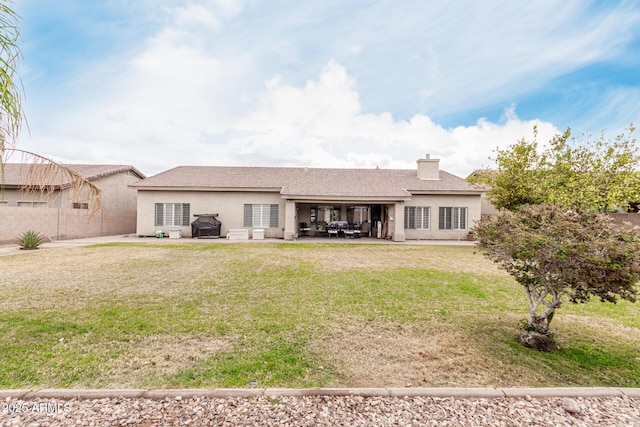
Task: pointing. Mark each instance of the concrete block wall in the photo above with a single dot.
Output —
(62, 223)
(14, 221)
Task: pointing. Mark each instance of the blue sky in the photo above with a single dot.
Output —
(161, 83)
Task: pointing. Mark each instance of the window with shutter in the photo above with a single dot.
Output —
(186, 213)
(409, 217)
(426, 218)
(462, 218)
(453, 218)
(159, 214)
(168, 214)
(248, 215)
(273, 216)
(260, 216)
(416, 217)
(172, 214)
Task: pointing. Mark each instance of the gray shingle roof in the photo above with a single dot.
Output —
(16, 173)
(307, 182)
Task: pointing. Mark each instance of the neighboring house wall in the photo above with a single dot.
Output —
(53, 215)
(228, 205)
(487, 207)
(11, 197)
(116, 193)
(434, 203)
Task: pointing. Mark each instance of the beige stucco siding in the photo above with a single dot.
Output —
(228, 205)
(487, 206)
(12, 197)
(434, 202)
(116, 194)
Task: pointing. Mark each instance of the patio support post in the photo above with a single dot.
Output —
(398, 222)
(289, 219)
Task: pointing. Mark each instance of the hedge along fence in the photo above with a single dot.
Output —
(64, 223)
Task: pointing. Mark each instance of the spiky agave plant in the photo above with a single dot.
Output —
(30, 240)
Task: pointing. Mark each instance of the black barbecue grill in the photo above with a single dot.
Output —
(205, 226)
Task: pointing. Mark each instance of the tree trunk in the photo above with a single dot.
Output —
(539, 324)
(537, 334)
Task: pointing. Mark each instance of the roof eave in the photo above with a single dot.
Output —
(446, 192)
(204, 188)
(21, 187)
(115, 172)
(341, 199)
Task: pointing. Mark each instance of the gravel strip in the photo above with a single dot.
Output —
(323, 411)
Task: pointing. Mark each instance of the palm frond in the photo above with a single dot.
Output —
(44, 176)
(11, 114)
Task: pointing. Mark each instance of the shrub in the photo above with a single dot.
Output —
(30, 240)
(559, 254)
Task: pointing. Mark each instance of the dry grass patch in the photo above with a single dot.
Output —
(574, 326)
(375, 354)
(146, 360)
(76, 277)
(386, 257)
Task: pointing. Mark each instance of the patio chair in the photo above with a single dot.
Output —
(366, 228)
(322, 230)
(304, 229)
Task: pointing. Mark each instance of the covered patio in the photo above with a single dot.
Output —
(345, 219)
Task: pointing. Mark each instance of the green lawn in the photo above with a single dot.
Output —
(291, 315)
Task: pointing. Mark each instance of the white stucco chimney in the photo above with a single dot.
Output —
(429, 168)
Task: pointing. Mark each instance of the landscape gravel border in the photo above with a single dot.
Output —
(270, 407)
(160, 394)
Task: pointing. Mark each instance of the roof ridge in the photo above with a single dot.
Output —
(282, 167)
(311, 182)
(104, 170)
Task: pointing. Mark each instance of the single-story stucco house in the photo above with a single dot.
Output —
(57, 214)
(426, 203)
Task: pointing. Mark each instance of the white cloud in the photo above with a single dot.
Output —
(210, 13)
(319, 124)
(451, 58)
(196, 13)
(197, 94)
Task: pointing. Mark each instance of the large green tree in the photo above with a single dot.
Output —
(552, 235)
(43, 171)
(558, 254)
(587, 173)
